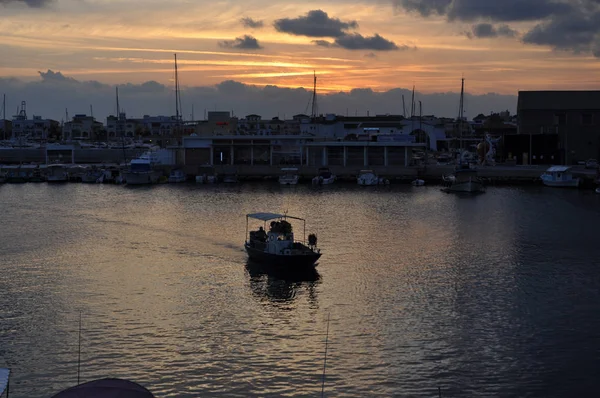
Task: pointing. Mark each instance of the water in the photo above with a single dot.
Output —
(493, 295)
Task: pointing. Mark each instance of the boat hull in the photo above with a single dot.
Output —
(142, 178)
(562, 184)
(284, 261)
(466, 187)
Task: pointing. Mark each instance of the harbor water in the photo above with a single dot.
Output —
(492, 295)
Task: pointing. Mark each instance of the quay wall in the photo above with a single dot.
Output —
(82, 156)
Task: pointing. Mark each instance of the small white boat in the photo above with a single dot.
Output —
(177, 175)
(324, 177)
(289, 177)
(464, 180)
(143, 170)
(57, 173)
(369, 178)
(418, 183)
(560, 176)
(597, 190)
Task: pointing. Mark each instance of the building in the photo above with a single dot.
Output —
(217, 123)
(34, 129)
(83, 128)
(163, 130)
(557, 127)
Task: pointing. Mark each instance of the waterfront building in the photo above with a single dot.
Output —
(31, 129)
(5, 129)
(83, 128)
(558, 127)
(163, 130)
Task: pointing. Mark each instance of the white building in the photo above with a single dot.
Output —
(157, 126)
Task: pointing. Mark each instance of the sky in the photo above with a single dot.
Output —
(259, 56)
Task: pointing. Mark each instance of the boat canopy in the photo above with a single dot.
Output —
(4, 374)
(558, 169)
(270, 216)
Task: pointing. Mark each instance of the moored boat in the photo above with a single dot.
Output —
(143, 170)
(289, 176)
(57, 173)
(93, 175)
(177, 175)
(560, 176)
(369, 178)
(277, 246)
(324, 177)
(464, 180)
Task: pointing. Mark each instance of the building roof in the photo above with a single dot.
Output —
(558, 100)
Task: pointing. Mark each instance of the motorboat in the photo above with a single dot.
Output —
(275, 244)
(418, 182)
(57, 173)
(143, 170)
(289, 177)
(206, 179)
(2, 177)
(37, 175)
(324, 177)
(15, 174)
(93, 175)
(4, 378)
(177, 175)
(560, 176)
(464, 180)
(369, 178)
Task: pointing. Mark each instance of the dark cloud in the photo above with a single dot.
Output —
(571, 25)
(486, 30)
(495, 10)
(246, 42)
(50, 97)
(30, 3)
(315, 23)
(252, 23)
(356, 41)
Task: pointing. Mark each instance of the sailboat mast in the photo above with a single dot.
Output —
(412, 104)
(460, 111)
(176, 92)
(314, 98)
(4, 116)
(403, 107)
(119, 127)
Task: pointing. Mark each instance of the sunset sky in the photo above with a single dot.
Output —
(499, 46)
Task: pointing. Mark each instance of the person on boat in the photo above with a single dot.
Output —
(261, 234)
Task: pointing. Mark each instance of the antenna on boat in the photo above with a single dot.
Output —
(325, 357)
(79, 351)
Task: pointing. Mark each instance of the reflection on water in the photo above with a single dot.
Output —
(279, 285)
(492, 295)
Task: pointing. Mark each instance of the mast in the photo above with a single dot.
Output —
(412, 106)
(403, 107)
(4, 117)
(460, 111)
(314, 98)
(177, 100)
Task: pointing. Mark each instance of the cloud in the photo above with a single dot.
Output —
(49, 96)
(356, 41)
(30, 3)
(471, 10)
(315, 23)
(246, 42)
(486, 30)
(252, 23)
(571, 25)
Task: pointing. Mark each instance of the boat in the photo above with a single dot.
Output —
(324, 177)
(230, 178)
(4, 376)
(369, 178)
(277, 246)
(289, 177)
(464, 180)
(206, 179)
(142, 170)
(3, 177)
(37, 175)
(57, 173)
(418, 182)
(16, 174)
(93, 175)
(560, 176)
(177, 175)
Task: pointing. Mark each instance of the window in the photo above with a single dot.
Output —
(587, 119)
(560, 119)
